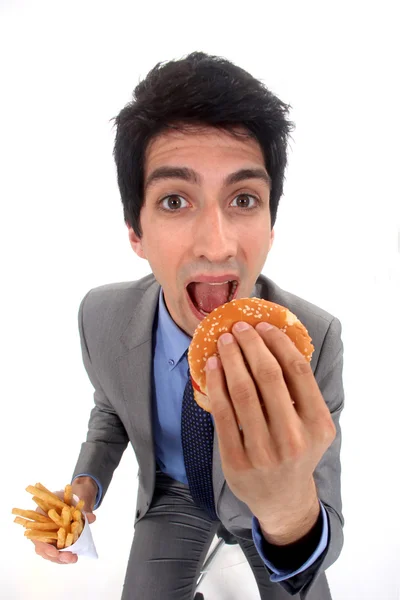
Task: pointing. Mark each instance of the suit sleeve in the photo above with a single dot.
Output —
(106, 438)
(328, 374)
(287, 561)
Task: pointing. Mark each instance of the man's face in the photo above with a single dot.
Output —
(209, 227)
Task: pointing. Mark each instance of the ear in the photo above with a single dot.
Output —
(271, 241)
(136, 242)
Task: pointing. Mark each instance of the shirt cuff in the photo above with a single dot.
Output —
(279, 575)
(99, 486)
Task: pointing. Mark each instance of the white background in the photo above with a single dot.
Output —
(67, 68)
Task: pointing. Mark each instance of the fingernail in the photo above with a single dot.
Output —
(212, 363)
(264, 326)
(226, 338)
(241, 326)
(63, 559)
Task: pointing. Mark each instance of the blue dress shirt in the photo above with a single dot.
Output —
(170, 373)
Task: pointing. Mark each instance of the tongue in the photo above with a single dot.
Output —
(207, 297)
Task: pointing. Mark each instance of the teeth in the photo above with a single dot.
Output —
(233, 290)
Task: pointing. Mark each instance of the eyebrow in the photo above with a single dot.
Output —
(191, 176)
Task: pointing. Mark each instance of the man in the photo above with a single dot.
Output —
(201, 154)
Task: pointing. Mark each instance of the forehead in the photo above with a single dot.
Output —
(189, 137)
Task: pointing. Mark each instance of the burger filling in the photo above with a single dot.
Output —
(207, 296)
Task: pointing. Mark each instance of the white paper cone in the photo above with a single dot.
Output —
(84, 545)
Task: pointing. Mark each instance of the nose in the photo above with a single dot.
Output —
(214, 236)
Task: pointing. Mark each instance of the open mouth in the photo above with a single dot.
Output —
(223, 293)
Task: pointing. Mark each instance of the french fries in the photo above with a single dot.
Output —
(30, 514)
(34, 535)
(61, 538)
(41, 504)
(62, 523)
(68, 494)
(49, 498)
(54, 516)
(35, 525)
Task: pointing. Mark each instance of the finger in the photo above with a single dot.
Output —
(225, 420)
(267, 373)
(45, 550)
(49, 552)
(64, 558)
(243, 393)
(298, 374)
(90, 517)
(67, 558)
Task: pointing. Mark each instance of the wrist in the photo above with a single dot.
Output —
(85, 487)
(292, 529)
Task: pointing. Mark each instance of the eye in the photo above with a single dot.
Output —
(173, 201)
(247, 196)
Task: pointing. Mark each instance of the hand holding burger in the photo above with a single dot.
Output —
(266, 385)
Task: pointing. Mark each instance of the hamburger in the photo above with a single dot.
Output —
(222, 319)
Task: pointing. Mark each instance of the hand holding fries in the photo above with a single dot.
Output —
(57, 523)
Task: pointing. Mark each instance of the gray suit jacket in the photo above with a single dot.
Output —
(115, 326)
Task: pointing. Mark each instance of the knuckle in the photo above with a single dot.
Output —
(296, 445)
(241, 391)
(268, 373)
(301, 366)
(328, 430)
(262, 455)
(221, 413)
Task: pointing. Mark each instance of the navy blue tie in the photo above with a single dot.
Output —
(197, 435)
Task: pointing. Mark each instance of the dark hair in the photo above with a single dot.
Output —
(199, 90)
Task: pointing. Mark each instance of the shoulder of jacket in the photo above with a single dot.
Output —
(305, 310)
(111, 295)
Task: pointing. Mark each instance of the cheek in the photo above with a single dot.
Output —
(257, 242)
(164, 252)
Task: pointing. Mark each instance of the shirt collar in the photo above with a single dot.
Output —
(175, 341)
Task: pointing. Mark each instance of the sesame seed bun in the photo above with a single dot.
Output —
(222, 320)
